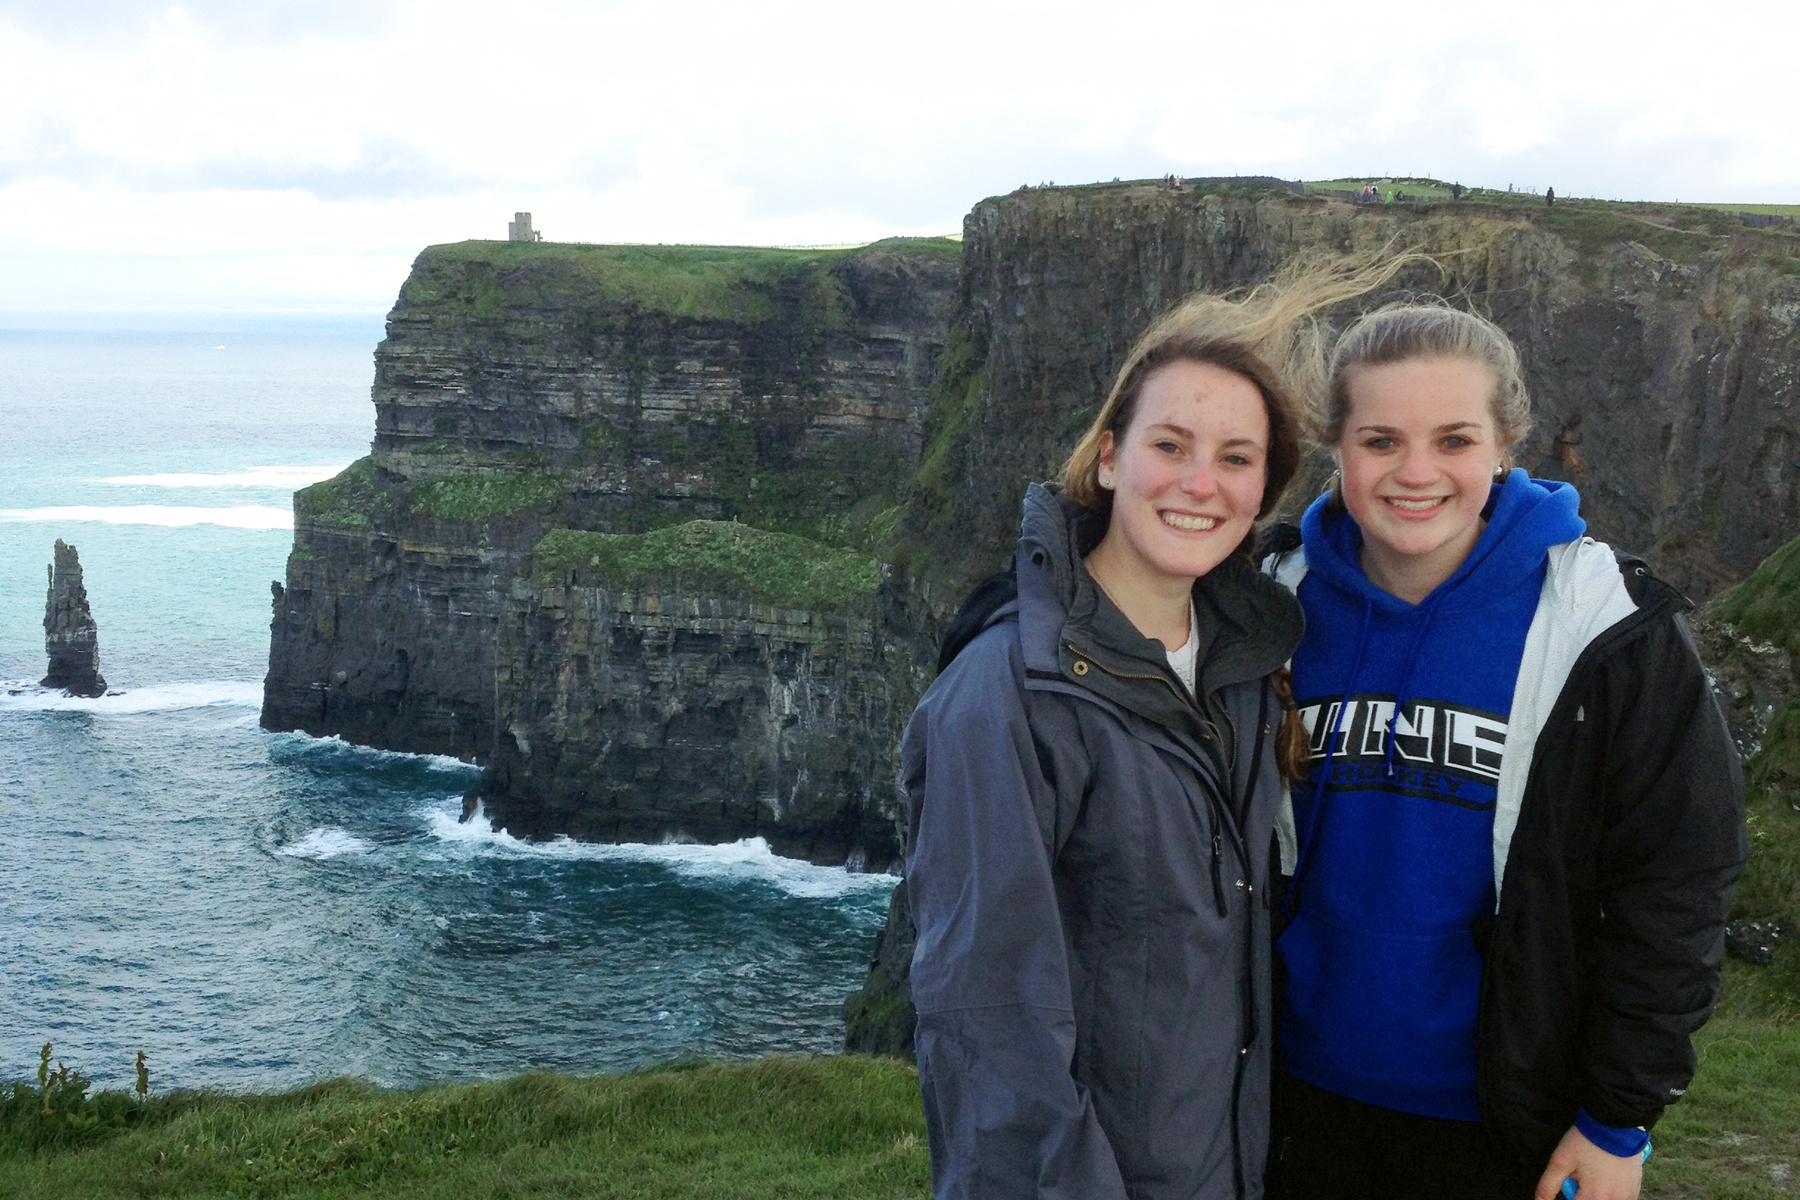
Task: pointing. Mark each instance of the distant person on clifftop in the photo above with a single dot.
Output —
(1092, 783)
(1456, 191)
(1516, 841)
(1549, 197)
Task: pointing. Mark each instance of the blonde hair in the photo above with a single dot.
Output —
(1405, 332)
(1270, 335)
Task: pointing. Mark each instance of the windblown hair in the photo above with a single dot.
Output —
(1272, 336)
(1405, 332)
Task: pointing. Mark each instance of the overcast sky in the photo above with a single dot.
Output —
(228, 154)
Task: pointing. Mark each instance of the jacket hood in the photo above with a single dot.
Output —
(1256, 623)
(1525, 517)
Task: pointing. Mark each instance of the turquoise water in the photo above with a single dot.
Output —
(257, 910)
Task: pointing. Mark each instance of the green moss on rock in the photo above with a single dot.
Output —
(486, 280)
(348, 500)
(483, 497)
(1766, 606)
(715, 558)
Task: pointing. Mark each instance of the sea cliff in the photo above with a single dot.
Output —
(525, 392)
(665, 536)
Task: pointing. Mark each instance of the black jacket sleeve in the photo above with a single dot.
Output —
(990, 976)
(1670, 850)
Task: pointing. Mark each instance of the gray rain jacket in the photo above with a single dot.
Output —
(1087, 865)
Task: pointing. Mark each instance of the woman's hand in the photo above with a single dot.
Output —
(1601, 1176)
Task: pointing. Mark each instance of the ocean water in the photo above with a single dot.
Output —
(257, 911)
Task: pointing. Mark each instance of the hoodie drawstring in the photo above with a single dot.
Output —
(1406, 682)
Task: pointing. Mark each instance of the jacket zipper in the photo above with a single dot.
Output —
(1220, 817)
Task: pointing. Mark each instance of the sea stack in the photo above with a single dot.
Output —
(71, 638)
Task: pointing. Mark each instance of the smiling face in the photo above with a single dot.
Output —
(1418, 452)
(1186, 477)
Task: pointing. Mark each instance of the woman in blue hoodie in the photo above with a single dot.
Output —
(1514, 849)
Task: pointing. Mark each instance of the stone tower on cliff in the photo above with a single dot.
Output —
(71, 638)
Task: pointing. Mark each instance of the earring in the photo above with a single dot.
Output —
(1500, 473)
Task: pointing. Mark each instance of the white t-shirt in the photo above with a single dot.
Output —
(1181, 659)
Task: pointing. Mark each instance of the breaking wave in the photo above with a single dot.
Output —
(333, 746)
(23, 696)
(737, 862)
(329, 842)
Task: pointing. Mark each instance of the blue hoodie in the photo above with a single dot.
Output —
(1396, 855)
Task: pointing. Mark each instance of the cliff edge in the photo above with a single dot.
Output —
(440, 596)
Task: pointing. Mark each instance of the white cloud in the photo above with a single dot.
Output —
(302, 152)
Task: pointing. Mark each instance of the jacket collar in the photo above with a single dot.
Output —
(1068, 628)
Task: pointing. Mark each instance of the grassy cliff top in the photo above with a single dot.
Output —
(1766, 606)
(694, 282)
(832, 1128)
(716, 558)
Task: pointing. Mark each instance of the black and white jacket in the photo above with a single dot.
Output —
(1618, 839)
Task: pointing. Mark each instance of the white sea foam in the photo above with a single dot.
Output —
(333, 744)
(327, 842)
(288, 478)
(24, 696)
(241, 516)
(746, 860)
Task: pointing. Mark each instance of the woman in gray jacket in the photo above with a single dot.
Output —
(1093, 782)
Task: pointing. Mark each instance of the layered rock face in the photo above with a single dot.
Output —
(1663, 365)
(71, 639)
(642, 714)
(527, 390)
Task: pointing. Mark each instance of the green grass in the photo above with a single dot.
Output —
(476, 498)
(951, 411)
(838, 1128)
(348, 500)
(1766, 606)
(1741, 1117)
(356, 499)
(487, 280)
(1774, 210)
(715, 558)
(1435, 189)
(1770, 888)
(1739, 1124)
(848, 1128)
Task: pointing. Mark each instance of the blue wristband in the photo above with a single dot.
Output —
(1620, 1142)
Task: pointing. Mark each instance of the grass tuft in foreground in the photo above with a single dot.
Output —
(845, 1127)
